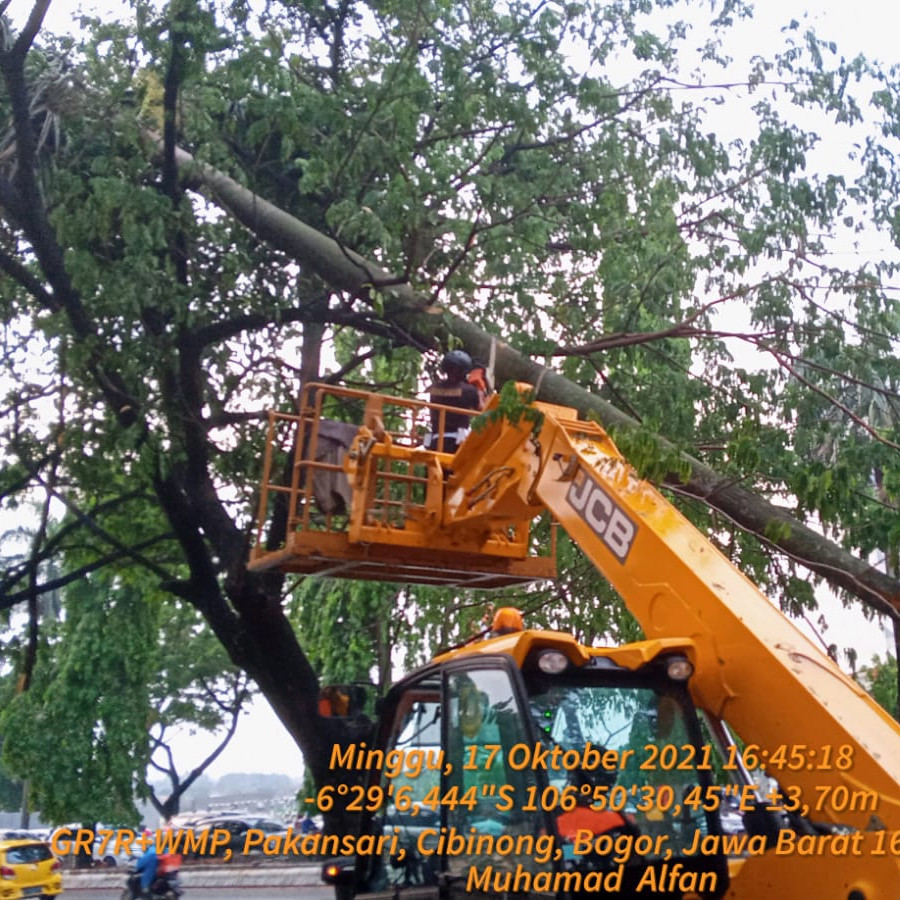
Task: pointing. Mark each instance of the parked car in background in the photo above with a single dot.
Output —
(237, 828)
(106, 851)
(17, 834)
(110, 855)
(28, 868)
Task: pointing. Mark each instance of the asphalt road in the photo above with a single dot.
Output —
(320, 892)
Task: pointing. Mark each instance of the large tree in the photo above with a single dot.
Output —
(207, 207)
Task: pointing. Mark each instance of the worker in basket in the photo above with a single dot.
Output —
(452, 390)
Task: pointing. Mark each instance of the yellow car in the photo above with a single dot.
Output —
(28, 868)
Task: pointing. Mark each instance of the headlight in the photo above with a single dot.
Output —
(552, 662)
(678, 668)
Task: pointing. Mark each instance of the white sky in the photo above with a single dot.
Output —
(857, 27)
(863, 26)
(260, 744)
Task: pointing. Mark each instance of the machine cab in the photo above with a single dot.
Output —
(528, 764)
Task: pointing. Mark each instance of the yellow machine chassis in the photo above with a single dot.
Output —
(410, 514)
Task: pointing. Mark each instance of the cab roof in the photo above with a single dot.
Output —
(520, 644)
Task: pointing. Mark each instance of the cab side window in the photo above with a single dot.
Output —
(411, 775)
(485, 798)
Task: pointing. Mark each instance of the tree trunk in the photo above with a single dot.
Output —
(429, 325)
(25, 813)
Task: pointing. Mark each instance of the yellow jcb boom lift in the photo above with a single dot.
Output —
(722, 756)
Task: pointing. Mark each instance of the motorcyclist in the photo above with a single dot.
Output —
(145, 868)
(154, 875)
(170, 861)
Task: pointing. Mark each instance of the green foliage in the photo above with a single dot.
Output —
(647, 453)
(11, 792)
(195, 689)
(879, 678)
(354, 630)
(79, 734)
(512, 406)
(112, 676)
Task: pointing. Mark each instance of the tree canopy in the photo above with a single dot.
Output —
(206, 205)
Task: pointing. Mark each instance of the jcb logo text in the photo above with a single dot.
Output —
(605, 517)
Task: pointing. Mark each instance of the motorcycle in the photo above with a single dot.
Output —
(166, 886)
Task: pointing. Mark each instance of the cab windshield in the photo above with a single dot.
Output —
(627, 749)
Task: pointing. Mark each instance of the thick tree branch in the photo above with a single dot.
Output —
(180, 786)
(24, 277)
(428, 324)
(340, 267)
(11, 599)
(32, 27)
(22, 199)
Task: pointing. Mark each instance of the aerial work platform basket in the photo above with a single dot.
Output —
(350, 490)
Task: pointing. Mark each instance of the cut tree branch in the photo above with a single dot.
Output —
(430, 325)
